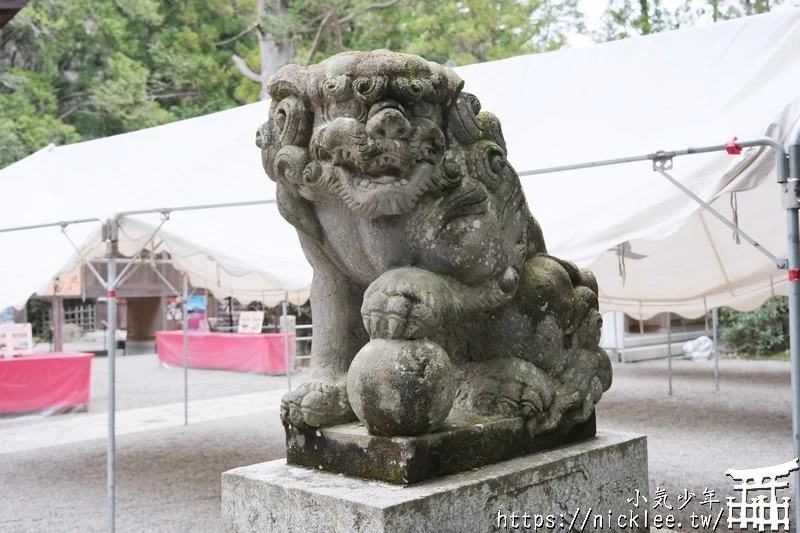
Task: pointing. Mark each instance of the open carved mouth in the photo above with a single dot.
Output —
(384, 166)
(380, 181)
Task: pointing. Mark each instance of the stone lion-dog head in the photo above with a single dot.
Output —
(377, 130)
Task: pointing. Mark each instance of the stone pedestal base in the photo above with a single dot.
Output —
(586, 485)
(459, 446)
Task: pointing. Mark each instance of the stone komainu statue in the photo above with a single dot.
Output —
(418, 232)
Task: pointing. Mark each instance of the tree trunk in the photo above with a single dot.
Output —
(274, 52)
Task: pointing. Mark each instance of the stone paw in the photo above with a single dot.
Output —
(406, 303)
(507, 386)
(317, 403)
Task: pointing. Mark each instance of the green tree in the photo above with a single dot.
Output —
(457, 33)
(626, 18)
(762, 331)
(82, 69)
(109, 67)
(28, 119)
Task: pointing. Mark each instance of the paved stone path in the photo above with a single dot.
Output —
(55, 432)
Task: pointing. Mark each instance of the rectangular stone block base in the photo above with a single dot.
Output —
(585, 485)
(459, 446)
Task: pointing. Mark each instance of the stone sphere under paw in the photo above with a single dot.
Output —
(401, 387)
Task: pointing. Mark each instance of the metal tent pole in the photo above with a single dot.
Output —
(58, 321)
(669, 350)
(714, 324)
(111, 250)
(793, 252)
(185, 349)
(286, 345)
(616, 338)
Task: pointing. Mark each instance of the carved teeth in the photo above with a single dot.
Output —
(372, 185)
(364, 183)
(404, 181)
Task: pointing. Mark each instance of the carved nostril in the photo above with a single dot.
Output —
(389, 123)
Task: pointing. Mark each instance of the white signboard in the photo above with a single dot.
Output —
(15, 339)
(251, 321)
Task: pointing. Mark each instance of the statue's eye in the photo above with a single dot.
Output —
(424, 109)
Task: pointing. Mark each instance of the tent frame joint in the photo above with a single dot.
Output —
(790, 194)
(662, 161)
(141, 250)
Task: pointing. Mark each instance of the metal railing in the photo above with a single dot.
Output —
(270, 328)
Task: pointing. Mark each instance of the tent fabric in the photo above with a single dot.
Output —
(695, 87)
(247, 252)
(700, 86)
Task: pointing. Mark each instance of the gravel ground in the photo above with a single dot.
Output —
(168, 480)
(698, 433)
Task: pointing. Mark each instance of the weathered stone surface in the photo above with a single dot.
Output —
(401, 387)
(458, 446)
(418, 230)
(601, 474)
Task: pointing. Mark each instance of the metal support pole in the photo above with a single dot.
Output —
(166, 282)
(111, 251)
(286, 346)
(793, 249)
(715, 323)
(58, 323)
(130, 264)
(780, 263)
(86, 261)
(185, 349)
(661, 154)
(669, 350)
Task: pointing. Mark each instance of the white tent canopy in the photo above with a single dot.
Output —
(700, 86)
(248, 252)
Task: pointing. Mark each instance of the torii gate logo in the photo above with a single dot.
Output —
(758, 511)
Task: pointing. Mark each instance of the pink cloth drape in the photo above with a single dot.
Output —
(44, 381)
(262, 353)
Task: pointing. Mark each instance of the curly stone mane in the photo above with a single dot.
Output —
(320, 141)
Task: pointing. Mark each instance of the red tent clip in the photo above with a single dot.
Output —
(732, 148)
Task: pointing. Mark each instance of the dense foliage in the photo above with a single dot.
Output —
(763, 331)
(74, 70)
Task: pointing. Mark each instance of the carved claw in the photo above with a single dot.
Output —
(505, 386)
(317, 404)
(406, 303)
